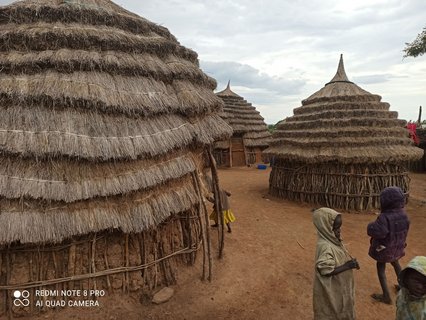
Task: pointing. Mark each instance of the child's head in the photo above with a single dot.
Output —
(415, 283)
(328, 223)
(392, 198)
(337, 224)
(413, 278)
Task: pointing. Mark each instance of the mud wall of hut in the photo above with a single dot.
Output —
(110, 261)
(240, 158)
(222, 157)
(335, 185)
(254, 155)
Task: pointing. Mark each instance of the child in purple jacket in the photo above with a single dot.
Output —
(388, 235)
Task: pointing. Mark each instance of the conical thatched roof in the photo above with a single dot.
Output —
(101, 112)
(244, 119)
(342, 122)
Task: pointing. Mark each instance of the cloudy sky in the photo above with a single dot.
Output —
(278, 52)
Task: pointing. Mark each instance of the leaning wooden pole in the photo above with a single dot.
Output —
(230, 153)
(218, 202)
(419, 119)
(204, 229)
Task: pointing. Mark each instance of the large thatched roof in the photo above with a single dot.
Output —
(342, 122)
(100, 114)
(244, 119)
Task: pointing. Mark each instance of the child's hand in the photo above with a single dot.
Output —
(352, 264)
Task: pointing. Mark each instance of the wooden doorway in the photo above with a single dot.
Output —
(238, 152)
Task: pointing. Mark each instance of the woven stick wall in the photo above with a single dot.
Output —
(103, 120)
(340, 148)
(245, 121)
(348, 186)
(108, 261)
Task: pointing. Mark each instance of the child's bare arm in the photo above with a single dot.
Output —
(351, 264)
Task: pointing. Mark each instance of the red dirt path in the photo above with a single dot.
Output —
(267, 270)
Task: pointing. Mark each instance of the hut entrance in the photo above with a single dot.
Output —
(254, 155)
(238, 154)
(222, 157)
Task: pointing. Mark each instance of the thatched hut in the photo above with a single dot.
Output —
(421, 134)
(104, 117)
(250, 135)
(340, 148)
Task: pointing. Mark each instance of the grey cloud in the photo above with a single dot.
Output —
(246, 76)
(373, 78)
(305, 35)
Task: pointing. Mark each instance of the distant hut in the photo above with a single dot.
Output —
(104, 117)
(250, 135)
(340, 148)
(420, 140)
(421, 134)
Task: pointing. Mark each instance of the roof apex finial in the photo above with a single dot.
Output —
(340, 74)
(228, 91)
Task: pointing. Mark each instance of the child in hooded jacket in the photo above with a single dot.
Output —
(411, 300)
(334, 289)
(388, 237)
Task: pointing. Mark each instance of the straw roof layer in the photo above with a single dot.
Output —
(244, 119)
(102, 116)
(344, 123)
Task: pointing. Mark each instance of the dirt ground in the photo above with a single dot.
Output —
(267, 269)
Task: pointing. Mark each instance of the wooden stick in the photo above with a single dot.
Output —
(93, 260)
(189, 233)
(143, 255)
(41, 272)
(5, 292)
(89, 264)
(419, 119)
(126, 253)
(201, 200)
(71, 262)
(162, 263)
(218, 202)
(55, 266)
(207, 230)
(8, 300)
(107, 264)
(31, 279)
(230, 153)
(155, 258)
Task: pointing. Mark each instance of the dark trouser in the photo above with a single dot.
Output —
(381, 272)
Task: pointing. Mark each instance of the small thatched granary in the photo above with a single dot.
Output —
(340, 148)
(250, 135)
(104, 117)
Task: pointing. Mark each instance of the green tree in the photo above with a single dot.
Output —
(417, 47)
(271, 128)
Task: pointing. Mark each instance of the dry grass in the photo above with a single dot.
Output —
(38, 221)
(341, 148)
(244, 119)
(104, 116)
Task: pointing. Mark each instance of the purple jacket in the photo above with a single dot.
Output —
(389, 232)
